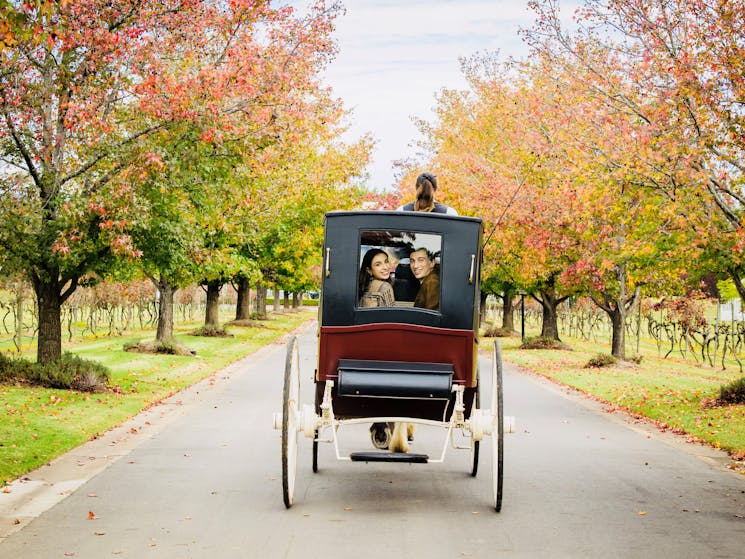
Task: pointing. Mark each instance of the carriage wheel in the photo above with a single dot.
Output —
(497, 411)
(290, 414)
(474, 457)
(315, 452)
(475, 444)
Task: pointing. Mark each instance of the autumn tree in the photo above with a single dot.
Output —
(495, 159)
(83, 99)
(676, 67)
(306, 175)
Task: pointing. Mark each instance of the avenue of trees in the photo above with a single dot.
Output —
(609, 162)
(191, 142)
(184, 141)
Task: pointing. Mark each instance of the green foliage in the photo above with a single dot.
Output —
(733, 393)
(727, 290)
(68, 372)
(601, 360)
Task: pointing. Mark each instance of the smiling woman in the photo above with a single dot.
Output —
(374, 279)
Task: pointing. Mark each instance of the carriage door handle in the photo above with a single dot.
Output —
(470, 275)
(328, 268)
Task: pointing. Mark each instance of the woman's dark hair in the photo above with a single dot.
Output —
(426, 184)
(364, 277)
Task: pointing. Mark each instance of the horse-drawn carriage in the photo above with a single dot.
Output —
(400, 363)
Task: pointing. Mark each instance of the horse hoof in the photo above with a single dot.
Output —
(380, 435)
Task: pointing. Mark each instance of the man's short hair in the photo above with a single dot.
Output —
(430, 255)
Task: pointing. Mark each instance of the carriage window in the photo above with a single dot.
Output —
(399, 269)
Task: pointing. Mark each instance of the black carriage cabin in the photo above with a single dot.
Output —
(407, 336)
(454, 241)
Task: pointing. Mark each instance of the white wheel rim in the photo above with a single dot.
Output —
(290, 419)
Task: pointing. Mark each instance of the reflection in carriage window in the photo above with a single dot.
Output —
(399, 268)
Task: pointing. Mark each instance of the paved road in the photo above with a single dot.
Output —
(199, 477)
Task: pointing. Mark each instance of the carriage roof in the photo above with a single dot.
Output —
(455, 242)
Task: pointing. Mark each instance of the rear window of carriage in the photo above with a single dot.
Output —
(395, 248)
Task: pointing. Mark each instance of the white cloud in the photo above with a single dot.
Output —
(395, 55)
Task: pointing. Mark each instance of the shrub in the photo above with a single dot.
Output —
(601, 360)
(168, 348)
(732, 393)
(497, 332)
(212, 332)
(68, 372)
(543, 343)
(155, 346)
(14, 369)
(71, 371)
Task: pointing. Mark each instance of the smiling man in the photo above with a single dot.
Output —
(423, 267)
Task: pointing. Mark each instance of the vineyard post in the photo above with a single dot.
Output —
(19, 316)
(638, 323)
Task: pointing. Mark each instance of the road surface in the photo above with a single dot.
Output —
(200, 477)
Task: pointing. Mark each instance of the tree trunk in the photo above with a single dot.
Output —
(482, 307)
(261, 302)
(212, 308)
(276, 303)
(49, 301)
(550, 326)
(508, 320)
(297, 300)
(735, 276)
(243, 304)
(286, 302)
(164, 333)
(550, 302)
(618, 339)
(618, 310)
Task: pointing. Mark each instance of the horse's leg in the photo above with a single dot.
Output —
(398, 440)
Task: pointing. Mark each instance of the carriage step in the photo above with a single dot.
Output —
(389, 457)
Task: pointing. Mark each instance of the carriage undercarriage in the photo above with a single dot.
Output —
(320, 424)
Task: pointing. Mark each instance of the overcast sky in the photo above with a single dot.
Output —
(395, 55)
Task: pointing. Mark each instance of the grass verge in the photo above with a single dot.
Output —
(674, 394)
(39, 424)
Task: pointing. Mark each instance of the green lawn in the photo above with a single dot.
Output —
(39, 424)
(672, 392)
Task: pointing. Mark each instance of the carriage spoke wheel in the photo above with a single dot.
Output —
(290, 415)
(315, 452)
(474, 457)
(475, 444)
(497, 411)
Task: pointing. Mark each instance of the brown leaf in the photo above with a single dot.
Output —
(91, 515)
